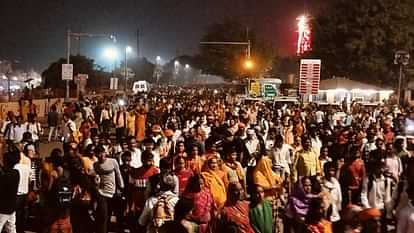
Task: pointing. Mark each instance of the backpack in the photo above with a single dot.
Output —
(161, 212)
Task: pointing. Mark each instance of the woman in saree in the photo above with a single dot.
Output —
(235, 213)
(215, 180)
(194, 161)
(264, 176)
(298, 204)
(140, 121)
(182, 173)
(204, 206)
(260, 212)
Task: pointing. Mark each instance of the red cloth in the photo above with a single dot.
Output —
(204, 208)
(238, 214)
(137, 183)
(323, 226)
(353, 174)
(183, 177)
(389, 136)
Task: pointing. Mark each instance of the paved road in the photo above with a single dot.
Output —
(45, 148)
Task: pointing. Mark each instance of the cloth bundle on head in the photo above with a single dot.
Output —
(168, 133)
(350, 213)
(368, 214)
(156, 129)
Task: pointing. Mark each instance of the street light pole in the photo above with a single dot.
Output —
(67, 61)
(401, 58)
(126, 69)
(399, 84)
(69, 35)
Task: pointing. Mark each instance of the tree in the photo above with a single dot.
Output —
(142, 68)
(97, 78)
(228, 60)
(358, 39)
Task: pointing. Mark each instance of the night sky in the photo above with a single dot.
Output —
(33, 31)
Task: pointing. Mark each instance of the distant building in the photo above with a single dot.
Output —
(336, 90)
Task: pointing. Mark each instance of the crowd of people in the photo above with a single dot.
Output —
(204, 161)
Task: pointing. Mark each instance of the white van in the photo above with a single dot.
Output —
(141, 86)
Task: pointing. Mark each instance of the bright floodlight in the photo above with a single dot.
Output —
(112, 37)
(128, 49)
(187, 66)
(248, 64)
(110, 53)
(176, 63)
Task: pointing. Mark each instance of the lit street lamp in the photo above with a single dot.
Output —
(248, 64)
(110, 53)
(69, 35)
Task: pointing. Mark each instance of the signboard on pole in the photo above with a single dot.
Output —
(255, 87)
(67, 71)
(114, 84)
(80, 81)
(270, 90)
(309, 76)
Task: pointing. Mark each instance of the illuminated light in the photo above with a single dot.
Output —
(15, 78)
(110, 53)
(4, 77)
(248, 64)
(176, 63)
(389, 92)
(128, 49)
(339, 90)
(187, 66)
(304, 35)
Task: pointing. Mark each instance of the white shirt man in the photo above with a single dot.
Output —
(68, 128)
(334, 188)
(316, 145)
(135, 158)
(34, 128)
(14, 132)
(24, 174)
(88, 112)
(379, 196)
(319, 116)
(282, 159)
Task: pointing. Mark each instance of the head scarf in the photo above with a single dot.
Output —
(299, 201)
(214, 183)
(264, 175)
(369, 214)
